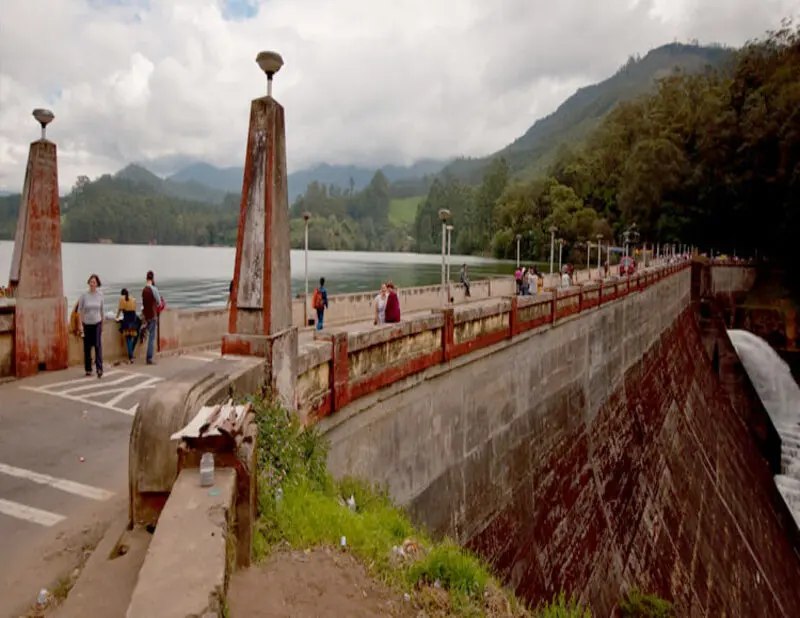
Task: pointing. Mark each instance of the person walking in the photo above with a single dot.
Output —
(91, 311)
(465, 280)
(380, 306)
(130, 322)
(320, 302)
(392, 312)
(151, 306)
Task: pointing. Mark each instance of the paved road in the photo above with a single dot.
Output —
(64, 458)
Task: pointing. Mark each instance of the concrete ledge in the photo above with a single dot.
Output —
(383, 334)
(312, 354)
(185, 570)
(545, 298)
(485, 309)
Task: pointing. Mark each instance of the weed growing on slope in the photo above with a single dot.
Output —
(301, 505)
(636, 604)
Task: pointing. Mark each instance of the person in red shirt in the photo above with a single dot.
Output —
(392, 304)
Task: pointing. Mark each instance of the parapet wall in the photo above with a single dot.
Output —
(343, 367)
(579, 447)
(344, 308)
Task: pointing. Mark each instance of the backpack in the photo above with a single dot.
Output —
(317, 301)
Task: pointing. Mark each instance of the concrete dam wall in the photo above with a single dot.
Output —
(590, 455)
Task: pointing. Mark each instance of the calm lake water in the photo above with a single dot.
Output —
(199, 276)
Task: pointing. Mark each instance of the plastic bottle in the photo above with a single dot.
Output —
(42, 599)
(207, 470)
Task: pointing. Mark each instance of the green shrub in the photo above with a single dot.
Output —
(561, 607)
(636, 604)
(454, 569)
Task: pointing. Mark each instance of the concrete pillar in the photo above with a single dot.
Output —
(40, 320)
(261, 312)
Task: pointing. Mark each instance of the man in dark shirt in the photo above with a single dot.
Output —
(151, 300)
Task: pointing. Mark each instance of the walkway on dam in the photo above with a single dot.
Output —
(64, 457)
(64, 464)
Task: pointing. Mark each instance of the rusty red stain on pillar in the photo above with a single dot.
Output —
(513, 317)
(340, 372)
(40, 321)
(448, 333)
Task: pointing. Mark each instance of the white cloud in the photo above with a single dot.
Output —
(365, 81)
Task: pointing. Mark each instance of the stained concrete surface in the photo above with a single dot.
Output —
(49, 422)
(185, 567)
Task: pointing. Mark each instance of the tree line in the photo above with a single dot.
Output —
(709, 159)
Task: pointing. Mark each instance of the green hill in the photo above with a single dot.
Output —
(403, 210)
(183, 190)
(532, 153)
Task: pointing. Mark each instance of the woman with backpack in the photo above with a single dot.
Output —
(320, 302)
(129, 327)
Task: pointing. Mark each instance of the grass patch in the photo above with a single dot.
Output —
(302, 506)
(402, 211)
(637, 604)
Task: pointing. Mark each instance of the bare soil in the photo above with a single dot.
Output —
(313, 584)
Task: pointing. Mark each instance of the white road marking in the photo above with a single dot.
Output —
(88, 390)
(71, 487)
(28, 513)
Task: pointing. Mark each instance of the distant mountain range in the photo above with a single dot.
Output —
(533, 152)
(229, 179)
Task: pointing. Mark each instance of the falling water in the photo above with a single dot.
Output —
(780, 395)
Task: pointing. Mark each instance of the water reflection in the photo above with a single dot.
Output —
(199, 276)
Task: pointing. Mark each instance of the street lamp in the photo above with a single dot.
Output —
(519, 237)
(589, 258)
(449, 245)
(270, 62)
(444, 214)
(306, 217)
(599, 251)
(560, 248)
(553, 229)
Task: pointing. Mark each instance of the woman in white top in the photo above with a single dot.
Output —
(380, 305)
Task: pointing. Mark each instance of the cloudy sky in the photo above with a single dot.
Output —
(365, 81)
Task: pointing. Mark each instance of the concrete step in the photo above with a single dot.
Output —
(106, 584)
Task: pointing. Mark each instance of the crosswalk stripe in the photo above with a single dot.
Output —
(78, 399)
(28, 513)
(79, 489)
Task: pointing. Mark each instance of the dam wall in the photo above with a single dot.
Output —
(590, 450)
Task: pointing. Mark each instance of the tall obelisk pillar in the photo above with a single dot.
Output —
(40, 318)
(261, 311)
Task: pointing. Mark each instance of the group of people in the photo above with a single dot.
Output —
(387, 305)
(89, 313)
(529, 281)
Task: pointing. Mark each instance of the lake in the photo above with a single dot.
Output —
(199, 276)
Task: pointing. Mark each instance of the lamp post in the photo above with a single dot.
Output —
(449, 244)
(306, 217)
(599, 251)
(519, 237)
(270, 62)
(553, 229)
(589, 258)
(560, 248)
(444, 214)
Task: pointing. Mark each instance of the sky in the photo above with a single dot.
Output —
(367, 82)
